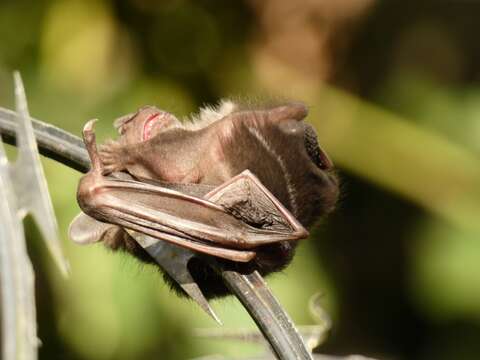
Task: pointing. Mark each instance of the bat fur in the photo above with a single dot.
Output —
(272, 141)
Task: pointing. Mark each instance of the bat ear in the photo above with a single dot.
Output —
(291, 111)
(86, 230)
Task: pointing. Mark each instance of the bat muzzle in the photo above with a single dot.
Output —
(318, 156)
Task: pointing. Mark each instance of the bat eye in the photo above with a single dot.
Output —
(121, 121)
(316, 154)
(292, 127)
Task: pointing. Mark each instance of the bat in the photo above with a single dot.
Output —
(240, 183)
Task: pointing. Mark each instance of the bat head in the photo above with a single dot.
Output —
(147, 122)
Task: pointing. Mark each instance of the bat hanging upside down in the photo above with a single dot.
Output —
(237, 183)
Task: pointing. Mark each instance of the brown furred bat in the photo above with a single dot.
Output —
(238, 183)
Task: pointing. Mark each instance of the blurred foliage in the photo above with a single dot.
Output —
(395, 95)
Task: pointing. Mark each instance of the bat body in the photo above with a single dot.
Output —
(234, 182)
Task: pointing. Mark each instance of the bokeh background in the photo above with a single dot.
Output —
(394, 92)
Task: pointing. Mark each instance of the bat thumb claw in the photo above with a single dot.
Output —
(88, 131)
(90, 143)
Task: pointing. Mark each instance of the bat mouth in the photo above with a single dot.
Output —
(153, 124)
(318, 156)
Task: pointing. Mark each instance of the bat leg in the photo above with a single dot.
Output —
(113, 156)
(245, 196)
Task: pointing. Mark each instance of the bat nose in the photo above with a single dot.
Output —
(314, 151)
(325, 162)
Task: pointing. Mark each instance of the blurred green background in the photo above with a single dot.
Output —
(394, 91)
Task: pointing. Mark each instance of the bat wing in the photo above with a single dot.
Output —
(229, 222)
(86, 230)
(240, 217)
(246, 198)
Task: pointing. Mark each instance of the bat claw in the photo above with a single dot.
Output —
(90, 143)
(89, 131)
(89, 125)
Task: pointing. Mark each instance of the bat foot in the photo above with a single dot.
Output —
(111, 156)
